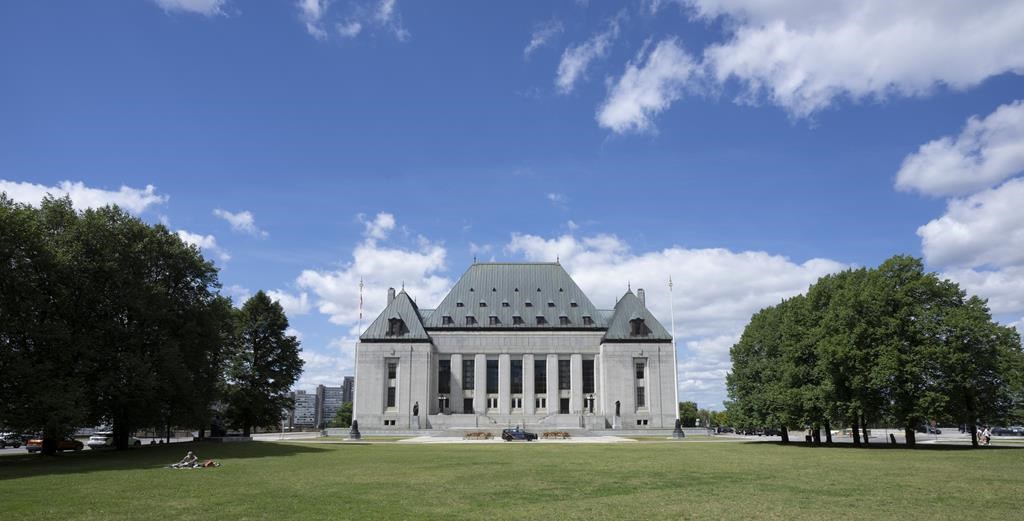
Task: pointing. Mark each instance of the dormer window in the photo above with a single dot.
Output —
(494, 321)
(528, 304)
(637, 327)
(396, 326)
(563, 320)
(551, 303)
(470, 320)
(541, 320)
(446, 320)
(517, 320)
(459, 304)
(483, 304)
(573, 304)
(505, 304)
(588, 320)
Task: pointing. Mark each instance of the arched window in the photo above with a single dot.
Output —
(396, 326)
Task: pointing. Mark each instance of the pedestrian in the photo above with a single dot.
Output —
(986, 436)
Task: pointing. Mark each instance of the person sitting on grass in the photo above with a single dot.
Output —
(190, 460)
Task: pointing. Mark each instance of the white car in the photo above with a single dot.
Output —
(105, 440)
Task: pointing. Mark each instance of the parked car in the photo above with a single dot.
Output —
(36, 445)
(517, 434)
(10, 439)
(1006, 431)
(105, 440)
(928, 429)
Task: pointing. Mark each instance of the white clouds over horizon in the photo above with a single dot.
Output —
(716, 291)
(134, 200)
(204, 242)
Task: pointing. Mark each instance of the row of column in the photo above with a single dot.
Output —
(552, 394)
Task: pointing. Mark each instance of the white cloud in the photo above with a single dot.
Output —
(803, 54)
(387, 16)
(542, 34)
(205, 242)
(291, 331)
(716, 292)
(134, 200)
(203, 7)
(986, 152)
(239, 294)
(312, 12)
(575, 60)
(379, 267)
(292, 304)
(556, 198)
(1004, 288)
(327, 366)
(984, 229)
(243, 222)
(349, 29)
(646, 88)
(379, 227)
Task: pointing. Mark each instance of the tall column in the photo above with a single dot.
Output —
(552, 383)
(504, 384)
(455, 398)
(575, 383)
(598, 386)
(480, 389)
(529, 398)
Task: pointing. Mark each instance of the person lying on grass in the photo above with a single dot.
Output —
(190, 461)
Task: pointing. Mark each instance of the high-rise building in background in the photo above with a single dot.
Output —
(348, 388)
(304, 413)
(328, 402)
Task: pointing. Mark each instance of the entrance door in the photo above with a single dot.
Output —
(563, 406)
(467, 406)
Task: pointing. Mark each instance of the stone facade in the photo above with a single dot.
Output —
(566, 369)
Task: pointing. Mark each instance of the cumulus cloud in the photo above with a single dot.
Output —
(204, 242)
(1004, 288)
(378, 267)
(349, 29)
(542, 34)
(134, 200)
(984, 229)
(203, 7)
(312, 12)
(647, 87)
(292, 304)
(803, 54)
(576, 59)
(987, 151)
(328, 365)
(715, 292)
(243, 222)
(387, 16)
(238, 294)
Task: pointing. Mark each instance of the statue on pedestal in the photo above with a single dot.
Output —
(617, 405)
(353, 433)
(416, 409)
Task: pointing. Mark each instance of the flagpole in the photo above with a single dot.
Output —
(675, 349)
(355, 352)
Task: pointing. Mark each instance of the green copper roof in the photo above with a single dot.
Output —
(499, 295)
(411, 327)
(629, 308)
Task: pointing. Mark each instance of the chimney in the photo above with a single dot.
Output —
(640, 295)
(391, 295)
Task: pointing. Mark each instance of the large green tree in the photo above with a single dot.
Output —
(263, 365)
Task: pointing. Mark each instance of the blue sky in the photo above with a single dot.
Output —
(742, 148)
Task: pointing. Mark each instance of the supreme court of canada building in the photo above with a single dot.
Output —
(515, 344)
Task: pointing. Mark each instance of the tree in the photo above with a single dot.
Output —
(344, 416)
(263, 365)
(688, 413)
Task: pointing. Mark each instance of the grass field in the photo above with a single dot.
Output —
(644, 480)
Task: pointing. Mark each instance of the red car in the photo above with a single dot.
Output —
(36, 445)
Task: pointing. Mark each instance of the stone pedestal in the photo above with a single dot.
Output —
(353, 434)
(678, 432)
(617, 423)
(415, 423)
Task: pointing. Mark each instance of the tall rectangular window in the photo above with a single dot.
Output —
(492, 376)
(391, 396)
(640, 382)
(564, 372)
(392, 369)
(392, 381)
(540, 376)
(588, 376)
(641, 397)
(468, 371)
(517, 376)
(444, 376)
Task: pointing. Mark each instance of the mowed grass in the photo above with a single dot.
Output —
(644, 480)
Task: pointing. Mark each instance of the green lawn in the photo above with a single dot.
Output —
(644, 480)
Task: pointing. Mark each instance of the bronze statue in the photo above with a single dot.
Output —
(416, 409)
(617, 404)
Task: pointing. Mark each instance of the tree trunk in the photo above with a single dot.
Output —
(911, 436)
(816, 434)
(855, 427)
(785, 435)
(202, 434)
(120, 435)
(864, 427)
(828, 433)
(246, 430)
(49, 447)
(974, 433)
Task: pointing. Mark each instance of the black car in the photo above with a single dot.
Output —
(517, 434)
(928, 429)
(1003, 431)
